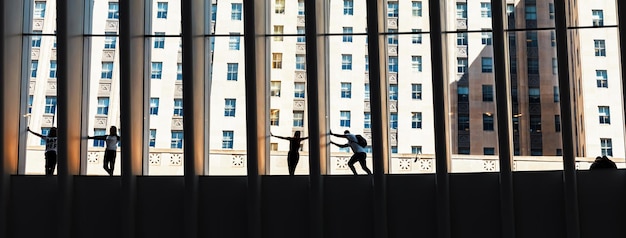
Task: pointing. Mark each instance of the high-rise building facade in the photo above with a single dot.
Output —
(532, 66)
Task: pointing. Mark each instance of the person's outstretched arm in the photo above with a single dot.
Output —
(338, 135)
(35, 133)
(340, 145)
(97, 137)
(279, 137)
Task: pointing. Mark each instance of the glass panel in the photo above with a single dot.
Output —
(349, 105)
(469, 15)
(530, 14)
(105, 17)
(44, 16)
(474, 142)
(347, 13)
(599, 112)
(596, 13)
(227, 17)
(288, 120)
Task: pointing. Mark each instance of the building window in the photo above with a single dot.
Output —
(606, 147)
(531, 39)
(107, 70)
(36, 39)
(392, 39)
(557, 96)
(551, 10)
(531, 12)
(300, 62)
(346, 62)
(463, 122)
(233, 71)
(178, 107)
(394, 149)
(599, 47)
(417, 37)
(367, 63)
(416, 63)
(487, 65)
(98, 132)
(393, 120)
(534, 95)
(277, 60)
(51, 105)
(301, 34)
(555, 65)
(110, 41)
(393, 64)
(152, 139)
(461, 65)
(416, 150)
(34, 65)
(235, 13)
(602, 79)
(280, 7)
(557, 123)
(278, 32)
(44, 131)
(114, 10)
(393, 92)
(597, 17)
(367, 120)
(533, 66)
(273, 146)
(487, 122)
(392, 9)
(416, 91)
(536, 152)
(510, 10)
(162, 10)
(233, 42)
(30, 104)
(348, 7)
(485, 9)
(489, 151)
(227, 139)
(535, 124)
(486, 37)
(417, 8)
(177, 140)
(552, 39)
(159, 40)
(347, 34)
(461, 10)
(179, 71)
(604, 114)
(103, 106)
(274, 117)
(298, 119)
(346, 90)
(416, 120)
(154, 106)
(366, 94)
(40, 9)
(213, 12)
(155, 73)
(53, 69)
(344, 118)
(230, 106)
(275, 88)
(300, 7)
(487, 93)
(462, 93)
(461, 38)
(298, 91)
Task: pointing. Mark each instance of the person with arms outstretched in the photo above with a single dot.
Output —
(293, 156)
(111, 149)
(359, 152)
(51, 149)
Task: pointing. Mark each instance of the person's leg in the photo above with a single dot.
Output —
(291, 162)
(47, 156)
(51, 162)
(364, 165)
(351, 162)
(112, 160)
(106, 162)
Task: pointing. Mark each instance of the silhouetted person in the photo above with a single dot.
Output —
(294, 146)
(602, 162)
(111, 148)
(359, 152)
(51, 149)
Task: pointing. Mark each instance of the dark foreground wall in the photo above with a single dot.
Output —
(347, 202)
